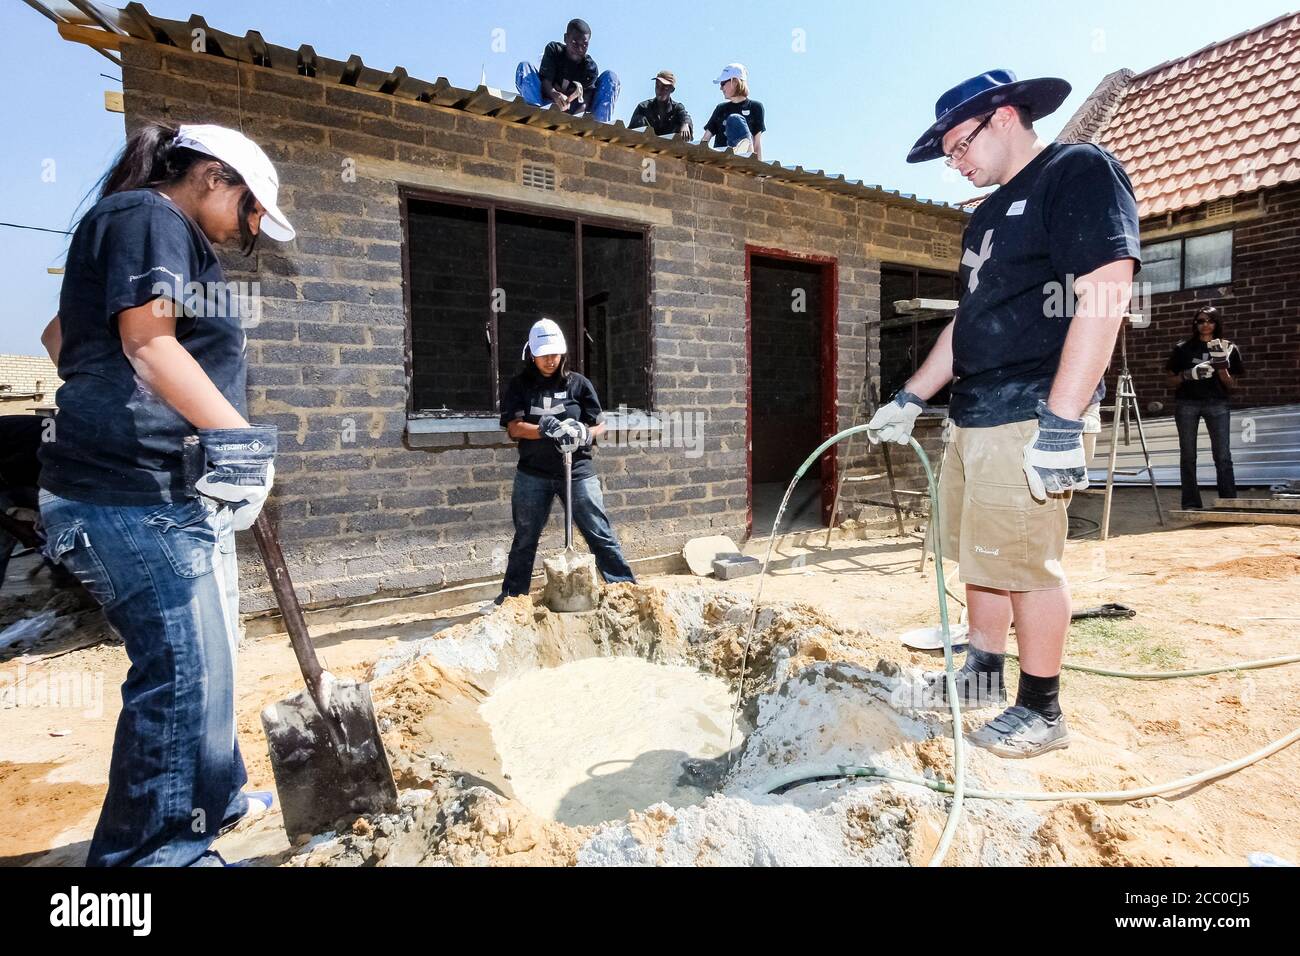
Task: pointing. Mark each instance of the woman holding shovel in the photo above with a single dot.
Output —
(551, 411)
(153, 467)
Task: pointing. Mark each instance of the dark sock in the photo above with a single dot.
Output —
(983, 662)
(1040, 694)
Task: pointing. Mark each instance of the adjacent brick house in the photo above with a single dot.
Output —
(434, 224)
(27, 384)
(1212, 144)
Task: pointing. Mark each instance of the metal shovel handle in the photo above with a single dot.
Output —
(568, 501)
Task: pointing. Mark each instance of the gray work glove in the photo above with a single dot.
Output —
(240, 469)
(1200, 371)
(1053, 459)
(894, 420)
(553, 428)
(1220, 351)
(576, 436)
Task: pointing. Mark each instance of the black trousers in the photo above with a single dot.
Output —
(1218, 421)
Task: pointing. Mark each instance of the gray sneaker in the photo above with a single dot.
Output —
(974, 689)
(1021, 732)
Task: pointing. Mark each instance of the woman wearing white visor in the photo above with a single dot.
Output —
(153, 467)
(549, 410)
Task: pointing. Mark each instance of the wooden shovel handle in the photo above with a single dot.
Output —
(287, 599)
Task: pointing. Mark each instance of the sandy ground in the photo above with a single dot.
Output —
(1204, 594)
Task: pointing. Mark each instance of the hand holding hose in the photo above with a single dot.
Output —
(895, 419)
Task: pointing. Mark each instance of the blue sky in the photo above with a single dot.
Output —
(848, 86)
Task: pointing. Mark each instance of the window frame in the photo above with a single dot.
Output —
(909, 321)
(491, 205)
(1181, 240)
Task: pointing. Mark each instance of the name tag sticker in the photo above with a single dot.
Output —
(1017, 208)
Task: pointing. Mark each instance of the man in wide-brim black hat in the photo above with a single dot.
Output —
(1026, 374)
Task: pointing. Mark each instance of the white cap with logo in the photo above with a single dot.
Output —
(732, 71)
(246, 158)
(545, 338)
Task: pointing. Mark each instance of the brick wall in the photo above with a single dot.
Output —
(25, 375)
(359, 511)
(1260, 309)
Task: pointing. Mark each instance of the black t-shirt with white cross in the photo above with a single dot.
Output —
(1190, 353)
(1070, 211)
(528, 397)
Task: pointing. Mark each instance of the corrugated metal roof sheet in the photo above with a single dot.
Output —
(134, 20)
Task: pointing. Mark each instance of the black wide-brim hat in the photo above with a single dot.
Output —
(984, 94)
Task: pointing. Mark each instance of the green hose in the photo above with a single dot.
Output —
(958, 787)
(1169, 675)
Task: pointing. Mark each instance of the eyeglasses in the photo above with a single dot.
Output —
(1205, 321)
(959, 150)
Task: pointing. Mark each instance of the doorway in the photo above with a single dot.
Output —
(790, 333)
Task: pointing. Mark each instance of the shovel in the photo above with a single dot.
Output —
(326, 753)
(571, 582)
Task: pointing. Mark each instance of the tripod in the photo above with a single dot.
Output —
(1125, 403)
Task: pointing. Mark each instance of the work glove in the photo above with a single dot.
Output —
(240, 469)
(576, 436)
(1202, 370)
(553, 428)
(1220, 350)
(894, 420)
(1053, 459)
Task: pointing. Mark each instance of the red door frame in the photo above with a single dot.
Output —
(830, 292)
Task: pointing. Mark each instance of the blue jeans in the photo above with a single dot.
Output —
(1218, 422)
(529, 84)
(531, 507)
(736, 129)
(167, 579)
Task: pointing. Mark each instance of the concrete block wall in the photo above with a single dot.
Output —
(359, 511)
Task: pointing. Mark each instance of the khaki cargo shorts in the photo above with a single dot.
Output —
(991, 525)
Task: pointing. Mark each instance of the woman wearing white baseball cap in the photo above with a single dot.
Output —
(738, 122)
(549, 410)
(153, 466)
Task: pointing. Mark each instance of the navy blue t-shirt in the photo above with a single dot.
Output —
(115, 441)
(528, 397)
(1070, 211)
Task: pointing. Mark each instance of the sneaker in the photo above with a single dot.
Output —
(975, 689)
(487, 607)
(259, 801)
(1020, 732)
(744, 148)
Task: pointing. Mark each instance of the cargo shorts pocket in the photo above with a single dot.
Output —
(995, 526)
(187, 534)
(70, 547)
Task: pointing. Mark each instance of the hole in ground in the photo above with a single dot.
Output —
(589, 740)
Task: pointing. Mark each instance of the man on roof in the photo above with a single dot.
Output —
(569, 79)
(662, 113)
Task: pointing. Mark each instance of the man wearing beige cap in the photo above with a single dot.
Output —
(662, 113)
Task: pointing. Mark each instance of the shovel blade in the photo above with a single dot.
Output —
(318, 781)
(572, 583)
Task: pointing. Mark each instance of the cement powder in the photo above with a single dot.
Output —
(588, 740)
